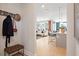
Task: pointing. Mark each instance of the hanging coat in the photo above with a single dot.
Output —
(7, 29)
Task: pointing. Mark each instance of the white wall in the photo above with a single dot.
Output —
(13, 8)
(77, 47)
(77, 40)
(28, 28)
(71, 45)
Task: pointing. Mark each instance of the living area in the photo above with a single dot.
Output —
(51, 29)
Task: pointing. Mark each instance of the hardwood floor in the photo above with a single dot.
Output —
(46, 46)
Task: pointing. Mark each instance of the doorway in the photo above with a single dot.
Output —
(51, 29)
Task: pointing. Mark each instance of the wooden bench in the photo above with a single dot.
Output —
(14, 50)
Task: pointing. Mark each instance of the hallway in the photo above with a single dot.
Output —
(47, 47)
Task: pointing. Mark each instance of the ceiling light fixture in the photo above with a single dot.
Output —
(42, 6)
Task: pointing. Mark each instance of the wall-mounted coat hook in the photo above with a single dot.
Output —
(17, 17)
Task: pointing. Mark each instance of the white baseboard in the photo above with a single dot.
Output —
(28, 53)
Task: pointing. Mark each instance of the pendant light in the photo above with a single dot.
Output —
(60, 14)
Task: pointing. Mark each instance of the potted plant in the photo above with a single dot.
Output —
(62, 29)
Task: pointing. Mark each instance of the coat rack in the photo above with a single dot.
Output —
(17, 17)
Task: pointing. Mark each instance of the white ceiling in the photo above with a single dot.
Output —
(51, 11)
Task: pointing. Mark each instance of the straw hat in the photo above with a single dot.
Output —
(17, 17)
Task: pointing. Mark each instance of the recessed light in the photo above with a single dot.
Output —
(42, 6)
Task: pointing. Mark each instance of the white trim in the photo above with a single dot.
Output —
(28, 53)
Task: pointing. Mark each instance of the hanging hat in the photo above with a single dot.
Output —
(17, 17)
